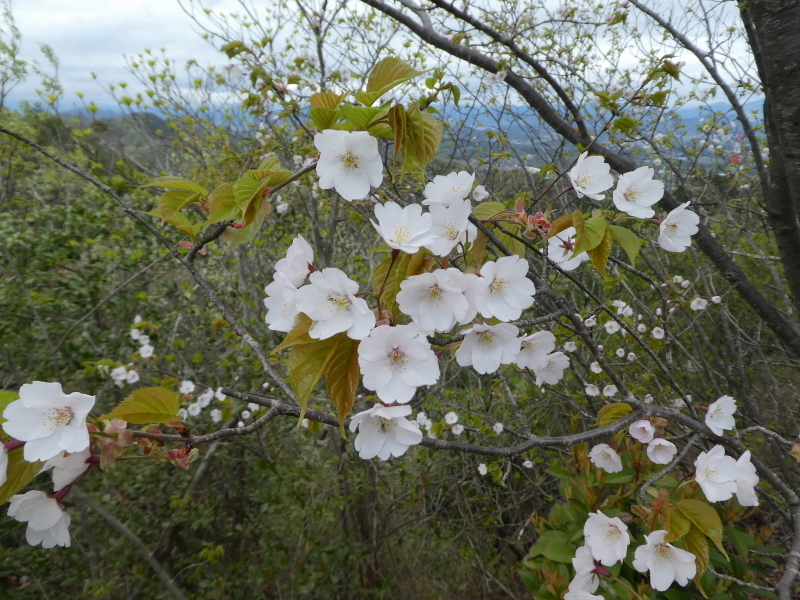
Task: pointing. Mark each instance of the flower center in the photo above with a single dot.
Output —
(342, 303)
(612, 533)
(585, 180)
(386, 425)
(435, 293)
(401, 234)
(449, 231)
(632, 194)
(711, 473)
(498, 286)
(60, 417)
(662, 552)
(671, 228)
(397, 358)
(349, 161)
(485, 338)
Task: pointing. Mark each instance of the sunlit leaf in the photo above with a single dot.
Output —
(147, 405)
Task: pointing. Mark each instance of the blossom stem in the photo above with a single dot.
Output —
(9, 446)
(59, 495)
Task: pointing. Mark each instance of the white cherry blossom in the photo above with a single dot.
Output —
(551, 370)
(403, 228)
(716, 474)
(611, 327)
(677, 229)
(384, 431)
(146, 351)
(591, 176)
(642, 431)
(720, 415)
(294, 266)
(330, 302)
(194, 409)
(606, 537)
(451, 417)
(67, 467)
(498, 428)
(657, 333)
(528, 464)
(205, 398)
(534, 348)
(661, 451)
(119, 375)
(216, 415)
(446, 189)
(48, 523)
(585, 579)
(746, 481)
(48, 420)
(450, 226)
(219, 395)
(592, 390)
(132, 377)
(457, 429)
(570, 346)
(486, 347)
(637, 191)
(698, 303)
(605, 457)
(482, 469)
(187, 387)
(479, 194)
(395, 362)
(561, 247)
(503, 291)
(281, 303)
(610, 390)
(595, 367)
(436, 301)
(349, 162)
(666, 563)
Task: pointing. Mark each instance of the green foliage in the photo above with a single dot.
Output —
(147, 405)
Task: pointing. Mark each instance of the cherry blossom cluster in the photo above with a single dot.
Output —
(51, 427)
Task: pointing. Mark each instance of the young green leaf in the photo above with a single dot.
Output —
(589, 233)
(629, 241)
(341, 378)
(147, 405)
(705, 518)
(19, 474)
(307, 364)
(611, 413)
(177, 183)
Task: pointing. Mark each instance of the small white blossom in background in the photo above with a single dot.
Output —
(698, 304)
(183, 414)
(590, 321)
(637, 191)
(135, 334)
(253, 407)
(585, 579)
(595, 368)
(246, 414)
(746, 481)
(67, 467)
(144, 340)
(606, 537)
(457, 429)
(205, 398)
(551, 370)
(642, 431)
(349, 162)
(676, 231)
(641, 328)
(716, 299)
(282, 208)
(534, 348)
(486, 347)
(631, 357)
(561, 247)
(219, 395)
(482, 469)
(605, 457)
(528, 464)
(591, 176)
(137, 319)
(132, 377)
(450, 226)
(611, 327)
(403, 228)
(657, 333)
(193, 409)
(294, 266)
(716, 473)
(610, 390)
(504, 290)
(677, 279)
(498, 428)
(620, 352)
(451, 418)
(48, 420)
(570, 346)
(421, 419)
(305, 423)
(666, 563)
(592, 390)
(446, 189)
(146, 351)
(436, 301)
(720, 415)
(661, 451)
(384, 431)
(240, 424)
(331, 303)
(395, 361)
(187, 387)
(48, 523)
(495, 78)
(216, 415)
(119, 375)
(479, 194)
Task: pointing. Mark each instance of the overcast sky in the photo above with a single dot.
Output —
(93, 35)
